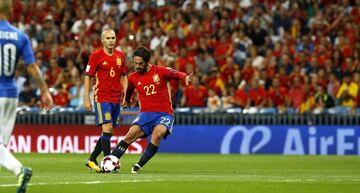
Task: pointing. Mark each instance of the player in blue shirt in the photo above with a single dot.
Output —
(13, 45)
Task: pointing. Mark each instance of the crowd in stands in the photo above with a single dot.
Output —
(280, 54)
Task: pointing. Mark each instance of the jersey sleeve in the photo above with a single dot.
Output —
(27, 52)
(131, 80)
(174, 74)
(92, 66)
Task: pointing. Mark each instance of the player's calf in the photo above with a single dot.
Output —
(149, 152)
(120, 149)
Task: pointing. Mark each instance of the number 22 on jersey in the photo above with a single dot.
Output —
(150, 90)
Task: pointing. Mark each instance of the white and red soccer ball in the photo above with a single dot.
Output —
(110, 164)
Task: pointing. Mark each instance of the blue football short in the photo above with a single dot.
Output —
(107, 113)
(148, 120)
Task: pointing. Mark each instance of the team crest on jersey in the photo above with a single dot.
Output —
(118, 62)
(156, 78)
(107, 116)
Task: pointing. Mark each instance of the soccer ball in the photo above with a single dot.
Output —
(110, 163)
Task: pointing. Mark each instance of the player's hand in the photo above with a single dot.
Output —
(88, 105)
(126, 104)
(47, 100)
(188, 79)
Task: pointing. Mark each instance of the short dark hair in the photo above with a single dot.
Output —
(143, 52)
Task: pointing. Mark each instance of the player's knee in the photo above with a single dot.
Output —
(129, 139)
(159, 133)
(108, 131)
(108, 128)
(156, 138)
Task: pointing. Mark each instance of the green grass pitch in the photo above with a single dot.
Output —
(198, 173)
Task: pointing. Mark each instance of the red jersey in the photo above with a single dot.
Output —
(278, 97)
(153, 88)
(107, 70)
(196, 97)
(257, 96)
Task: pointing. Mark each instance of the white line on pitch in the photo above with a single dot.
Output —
(90, 182)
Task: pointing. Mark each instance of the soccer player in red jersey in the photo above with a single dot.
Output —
(107, 66)
(156, 115)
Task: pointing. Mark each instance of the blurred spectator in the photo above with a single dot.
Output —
(158, 39)
(264, 79)
(277, 96)
(333, 86)
(173, 41)
(222, 48)
(183, 59)
(213, 102)
(256, 58)
(240, 97)
(348, 92)
(215, 81)
(227, 97)
(52, 72)
(257, 34)
(194, 95)
(305, 44)
(322, 100)
(204, 62)
(27, 96)
(296, 93)
(257, 94)
(248, 71)
(308, 105)
(64, 80)
(72, 69)
(61, 96)
(242, 42)
(83, 19)
(227, 71)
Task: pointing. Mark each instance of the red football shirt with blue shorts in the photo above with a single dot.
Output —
(107, 70)
(154, 97)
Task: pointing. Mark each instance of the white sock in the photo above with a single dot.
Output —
(9, 161)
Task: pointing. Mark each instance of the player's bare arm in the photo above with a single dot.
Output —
(124, 85)
(35, 73)
(127, 99)
(87, 86)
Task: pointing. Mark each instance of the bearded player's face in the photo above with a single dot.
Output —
(140, 65)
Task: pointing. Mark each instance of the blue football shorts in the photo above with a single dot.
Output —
(148, 120)
(107, 113)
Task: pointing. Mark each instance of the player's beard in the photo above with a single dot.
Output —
(142, 70)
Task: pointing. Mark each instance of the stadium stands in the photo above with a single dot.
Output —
(266, 57)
